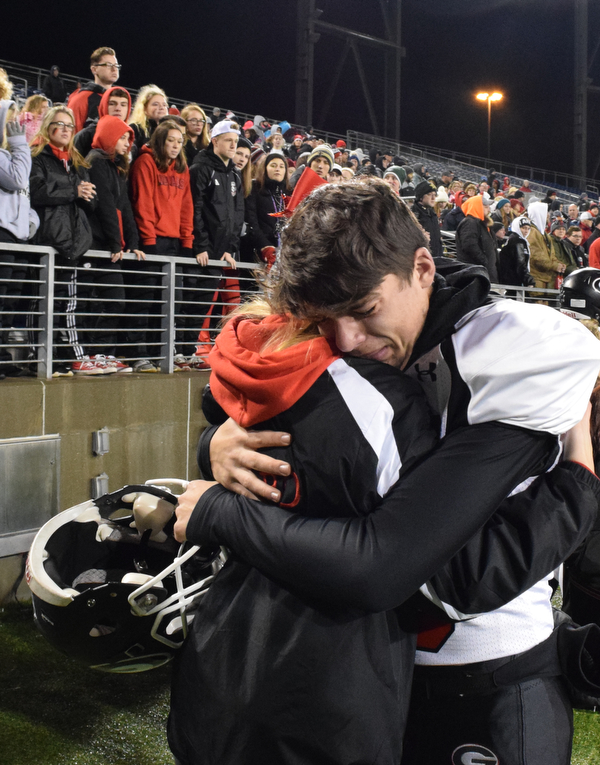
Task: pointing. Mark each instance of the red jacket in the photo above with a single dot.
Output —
(594, 254)
(84, 103)
(162, 202)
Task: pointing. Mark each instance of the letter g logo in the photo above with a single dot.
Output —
(473, 754)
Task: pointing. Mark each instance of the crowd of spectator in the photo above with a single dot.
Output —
(91, 170)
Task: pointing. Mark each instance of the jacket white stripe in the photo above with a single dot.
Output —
(373, 414)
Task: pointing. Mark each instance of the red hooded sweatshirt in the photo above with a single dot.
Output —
(162, 202)
(108, 132)
(103, 105)
(253, 386)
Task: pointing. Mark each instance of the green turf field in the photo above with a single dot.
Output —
(55, 712)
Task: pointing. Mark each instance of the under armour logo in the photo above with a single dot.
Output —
(422, 373)
(473, 754)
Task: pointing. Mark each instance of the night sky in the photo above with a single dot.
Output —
(241, 56)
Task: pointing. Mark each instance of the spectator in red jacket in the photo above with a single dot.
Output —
(163, 210)
(85, 101)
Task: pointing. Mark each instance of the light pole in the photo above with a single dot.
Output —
(489, 97)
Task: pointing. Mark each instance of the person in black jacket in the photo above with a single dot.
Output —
(113, 229)
(54, 86)
(59, 188)
(575, 253)
(474, 243)
(423, 209)
(333, 256)
(268, 189)
(218, 220)
(513, 261)
(197, 133)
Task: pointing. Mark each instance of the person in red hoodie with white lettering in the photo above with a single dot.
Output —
(163, 210)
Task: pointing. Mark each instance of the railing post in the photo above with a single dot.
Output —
(168, 321)
(44, 368)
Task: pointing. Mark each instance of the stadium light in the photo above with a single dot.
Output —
(489, 97)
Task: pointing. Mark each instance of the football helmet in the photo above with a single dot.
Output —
(110, 584)
(580, 294)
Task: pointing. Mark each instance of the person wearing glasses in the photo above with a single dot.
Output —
(60, 187)
(197, 133)
(85, 101)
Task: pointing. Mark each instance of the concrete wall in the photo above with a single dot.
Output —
(154, 422)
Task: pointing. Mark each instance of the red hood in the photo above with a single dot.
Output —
(252, 386)
(108, 132)
(103, 105)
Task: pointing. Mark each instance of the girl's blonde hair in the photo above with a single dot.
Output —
(42, 139)
(295, 330)
(6, 86)
(138, 113)
(35, 104)
(204, 137)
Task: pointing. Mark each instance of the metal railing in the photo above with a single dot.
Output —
(48, 309)
(544, 180)
(43, 318)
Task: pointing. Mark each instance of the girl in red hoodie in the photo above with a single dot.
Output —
(163, 210)
(161, 195)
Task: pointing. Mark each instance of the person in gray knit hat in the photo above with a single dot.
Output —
(321, 160)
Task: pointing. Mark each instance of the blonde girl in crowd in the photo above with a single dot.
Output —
(150, 105)
(197, 132)
(61, 190)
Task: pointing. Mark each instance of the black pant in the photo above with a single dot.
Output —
(190, 311)
(67, 314)
(526, 723)
(105, 304)
(142, 285)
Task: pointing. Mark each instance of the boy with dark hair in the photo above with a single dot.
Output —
(85, 101)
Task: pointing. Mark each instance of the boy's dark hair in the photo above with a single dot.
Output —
(340, 244)
(120, 93)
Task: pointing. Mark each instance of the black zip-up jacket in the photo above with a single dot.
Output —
(53, 193)
(475, 245)
(259, 204)
(111, 195)
(218, 205)
(428, 219)
(83, 140)
(513, 263)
